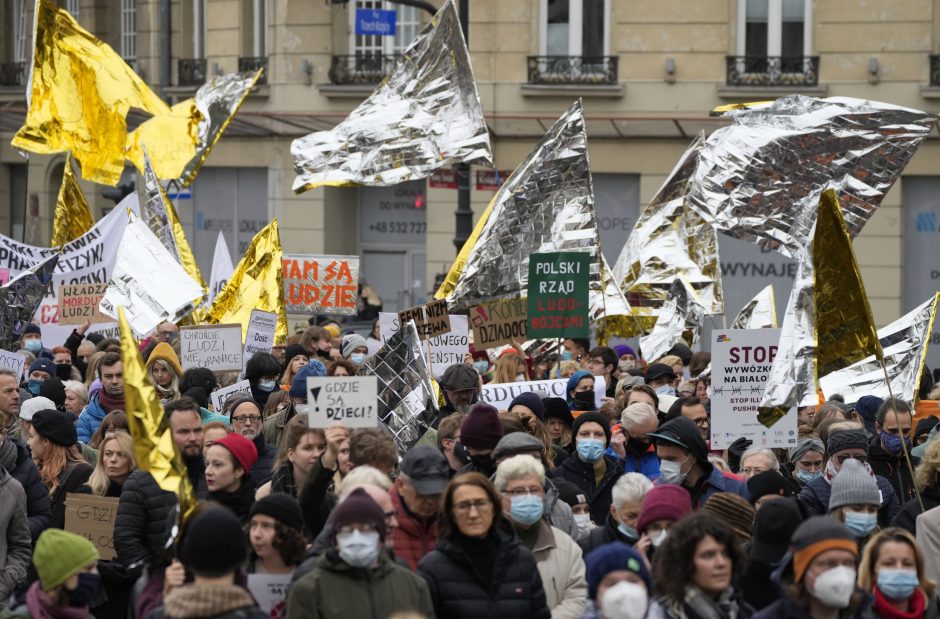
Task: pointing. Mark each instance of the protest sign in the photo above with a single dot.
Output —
(260, 336)
(4, 276)
(557, 299)
(269, 590)
(12, 361)
(321, 284)
(446, 350)
(498, 323)
(431, 319)
(79, 302)
(349, 400)
(217, 347)
(92, 517)
(218, 397)
(741, 362)
(500, 395)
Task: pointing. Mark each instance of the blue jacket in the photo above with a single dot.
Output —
(89, 420)
(815, 495)
(717, 481)
(647, 464)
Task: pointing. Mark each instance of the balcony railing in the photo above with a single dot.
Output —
(772, 71)
(934, 70)
(361, 68)
(13, 74)
(582, 70)
(192, 71)
(253, 64)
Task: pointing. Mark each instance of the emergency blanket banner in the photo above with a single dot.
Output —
(88, 259)
(741, 362)
(321, 284)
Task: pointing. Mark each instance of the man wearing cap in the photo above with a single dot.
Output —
(661, 378)
(589, 468)
(40, 370)
(29, 408)
(31, 340)
(480, 433)
(274, 425)
(683, 460)
(845, 445)
(416, 495)
(461, 386)
(893, 422)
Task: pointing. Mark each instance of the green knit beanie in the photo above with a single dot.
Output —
(59, 555)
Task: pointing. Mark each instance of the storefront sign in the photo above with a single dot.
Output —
(557, 304)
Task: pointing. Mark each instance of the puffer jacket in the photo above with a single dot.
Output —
(581, 474)
(907, 516)
(335, 589)
(893, 468)
(15, 540)
(141, 524)
(815, 496)
(89, 420)
(23, 469)
(514, 591)
(412, 538)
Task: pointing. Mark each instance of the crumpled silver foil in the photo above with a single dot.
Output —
(546, 205)
(425, 115)
(153, 209)
(20, 298)
(759, 313)
(669, 240)
(680, 319)
(760, 178)
(904, 342)
(407, 403)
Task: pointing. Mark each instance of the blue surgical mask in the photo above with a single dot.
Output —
(566, 355)
(860, 524)
(892, 443)
(897, 584)
(665, 390)
(590, 449)
(807, 476)
(628, 532)
(32, 385)
(267, 385)
(526, 509)
(33, 345)
(481, 366)
(357, 357)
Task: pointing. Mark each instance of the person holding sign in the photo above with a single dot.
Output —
(228, 474)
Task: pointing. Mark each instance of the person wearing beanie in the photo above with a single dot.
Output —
(164, 370)
(528, 402)
(68, 581)
(558, 422)
(355, 348)
(774, 525)
(54, 390)
(29, 408)
(41, 369)
(806, 460)
(460, 385)
(661, 378)
(683, 460)
(480, 433)
(273, 425)
(735, 511)
(580, 390)
(767, 486)
(295, 357)
(855, 500)
(893, 422)
(228, 473)
(818, 581)
(619, 583)
(53, 444)
(638, 419)
(923, 429)
(844, 445)
(662, 506)
(275, 533)
(866, 409)
(589, 467)
(31, 340)
(626, 357)
(621, 523)
(355, 577)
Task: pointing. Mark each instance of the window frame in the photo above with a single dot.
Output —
(128, 13)
(774, 28)
(575, 28)
(21, 31)
(390, 45)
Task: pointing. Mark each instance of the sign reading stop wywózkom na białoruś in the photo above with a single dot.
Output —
(557, 296)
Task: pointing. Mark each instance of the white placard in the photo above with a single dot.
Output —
(348, 400)
(741, 362)
(216, 347)
(12, 361)
(260, 336)
(269, 590)
(501, 394)
(446, 350)
(219, 396)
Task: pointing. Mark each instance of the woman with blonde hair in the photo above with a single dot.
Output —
(892, 569)
(164, 370)
(91, 374)
(53, 442)
(116, 461)
(510, 368)
(926, 479)
(76, 397)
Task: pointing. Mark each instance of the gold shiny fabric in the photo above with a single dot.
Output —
(72, 216)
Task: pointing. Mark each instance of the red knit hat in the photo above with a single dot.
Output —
(666, 502)
(243, 450)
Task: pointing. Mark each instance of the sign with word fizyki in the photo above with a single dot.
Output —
(498, 323)
(79, 302)
(741, 363)
(431, 319)
(92, 517)
(347, 400)
(218, 397)
(260, 336)
(216, 347)
(557, 300)
(446, 350)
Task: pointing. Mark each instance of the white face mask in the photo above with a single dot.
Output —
(834, 587)
(358, 549)
(582, 520)
(671, 472)
(658, 538)
(625, 600)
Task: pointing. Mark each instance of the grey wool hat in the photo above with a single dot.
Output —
(854, 484)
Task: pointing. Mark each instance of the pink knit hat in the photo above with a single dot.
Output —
(665, 502)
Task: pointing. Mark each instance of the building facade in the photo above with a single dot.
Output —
(648, 71)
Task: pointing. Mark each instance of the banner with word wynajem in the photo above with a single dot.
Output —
(321, 284)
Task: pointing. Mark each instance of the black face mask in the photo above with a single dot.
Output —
(584, 401)
(87, 591)
(638, 445)
(484, 464)
(63, 371)
(461, 452)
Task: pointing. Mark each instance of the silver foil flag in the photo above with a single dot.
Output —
(19, 299)
(153, 209)
(425, 115)
(546, 205)
(760, 178)
(148, 282)
(407, 403)
(668, 241)
(680, 319)
(759, 313)
(904, 342)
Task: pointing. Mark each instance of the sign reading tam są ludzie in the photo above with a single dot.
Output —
(348, 400)
(431, 319)
(320, 284)
(557, 304)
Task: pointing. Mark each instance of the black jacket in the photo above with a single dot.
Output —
(38, 509)
(316, 498)
(141, 525)
(74, 475)
(239, 501)
(263, 468)
(515, 589)
(907, 517)
(605, 534)
(581, 474)
(893, 468)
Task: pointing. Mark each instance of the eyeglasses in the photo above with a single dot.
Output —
(752, 471)
(704, 422)
(519, 492)
(481, 505)
(862, 458)
(247, 418)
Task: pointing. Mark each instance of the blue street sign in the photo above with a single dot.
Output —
(375, 22)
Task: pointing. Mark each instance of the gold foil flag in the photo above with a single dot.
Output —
(425, 115)
(759, 313)
(828, 323)
(546, 205)
(72, 217)
(79, 93)
(256, 283)
(154, 446)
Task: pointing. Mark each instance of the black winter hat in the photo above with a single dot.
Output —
(292, 351)
(682, 432)
(558, 408)
(846, 439)
(53, 389)
(596, 418)
(658, 370)
(358, 507)
(773, 527)
(768, 482)
(214, 544)
(282, 507)
(55, 426)
(481, 428)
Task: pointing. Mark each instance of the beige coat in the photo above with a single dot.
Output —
(561, 567)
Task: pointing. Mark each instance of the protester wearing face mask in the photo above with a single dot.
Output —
(626, 358)
(31, 340)
(854, 500)
(806, 460)
(593, 472)
(481, 363)
(354, 348)
(893, 423)
(479, 434)
(575, 349)
(818, 580)
(661, 378)
(461, 386)
(773, 527)
(892, 568)
(638, 420)
(262, 372)
(621, 523)
(927, 478)
(661, 508)
(580, 390)
(39, 370)
(619, 583)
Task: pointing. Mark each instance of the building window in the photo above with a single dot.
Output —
(372, 56)
(72, 7)
(260, 28)
(129, 30)
(774, 43)
(21, 29)
(573, 42)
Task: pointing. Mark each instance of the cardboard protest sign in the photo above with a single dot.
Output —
(431, 319)
(501, 394)
(348, 400)
(269, 590)
(557, 299)
(498, 323)
(260, 336)
(321, 284)
(741, 362)
(218, 397)
(79, 302)
(12, 361)
(93, 518)
(217, 347)
(446, 350)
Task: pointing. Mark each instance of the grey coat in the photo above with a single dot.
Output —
(15, 539)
